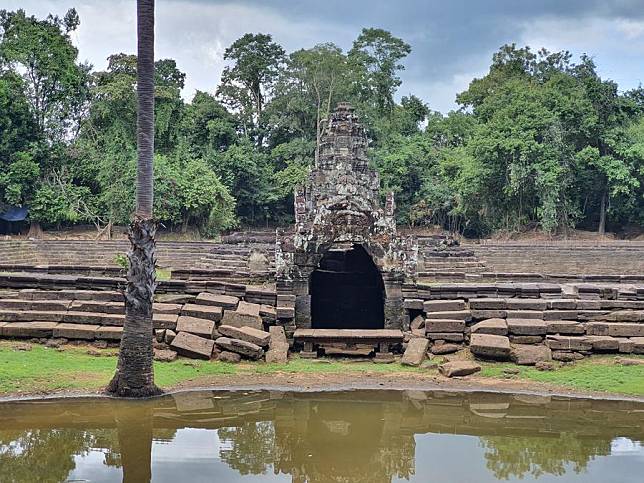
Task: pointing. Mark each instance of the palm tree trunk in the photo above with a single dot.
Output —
(134, 375)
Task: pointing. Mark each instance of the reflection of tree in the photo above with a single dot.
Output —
(41, 455)
(509, 456)
(250, 447)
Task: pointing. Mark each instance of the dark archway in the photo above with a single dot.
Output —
(347, 291)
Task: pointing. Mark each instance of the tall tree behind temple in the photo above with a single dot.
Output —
(135, 374)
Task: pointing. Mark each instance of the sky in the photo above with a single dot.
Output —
(452, 40)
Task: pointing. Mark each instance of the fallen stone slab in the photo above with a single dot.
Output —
(418, 323)
(108, 333)
(168, 298)
(442, 349)
(169, 336)
(257, 337)
(413, 304)
(491, 326)
(530, 355)
(163, 308)
(446, 336)
(201, 327)
(230, 357)
(415, 353)
(564, 327)
(443, 305)
(164, 355)
(247, 349)
(458, 368)
(526, 327)
(278, 347)
(248, 308)
(268, 313)
(238, 319)
(565, 343)
(191, 345)
(629, 362)
(490, 346)
(218, 300)
(202, 312)
(444, 325)
(278, 336)
(27, 329)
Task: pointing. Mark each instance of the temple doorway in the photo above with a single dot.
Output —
(347, 291)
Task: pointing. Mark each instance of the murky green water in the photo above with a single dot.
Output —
(356, 436)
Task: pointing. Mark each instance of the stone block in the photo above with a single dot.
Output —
(108, 333)
(285, 312)
(238, 319)
(494, 326)
(164, 355)
(603, 343)
(413, 304)
(444, 305)
(75, 331)
(247, 349)
(278, 335)
(418, 323)
(27, 329)
(561, 304)
(526, 339)
(248, 308)
(625, 329)
(217, 300)
(163, 308)
(625, 345)
(268, 312)
(209, 312)
(525, 314)
(596, 328)
(526, 304)
(169, 336)
(530, 355)
(465, 315)
(163, 321)
(191, 345)
(415, 353)
(444, 325)
(638, 345)
(488, 304)
(560, 315)
(193, 325)
(565, 343)
(490, 346)
(447, 336)
(526, 327)
(99, 307)
(230, 357)
(170, 298)
(248, 334)
(458, 368)
(489, 314)
(566, 356)
(565, 327)
(442, 349)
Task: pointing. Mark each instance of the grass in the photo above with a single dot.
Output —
(42, 369)
(599, 373)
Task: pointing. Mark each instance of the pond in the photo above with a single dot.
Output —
(318, 437)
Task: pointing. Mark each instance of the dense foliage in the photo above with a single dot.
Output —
(538, 141)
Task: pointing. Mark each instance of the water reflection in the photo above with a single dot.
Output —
(357, 436)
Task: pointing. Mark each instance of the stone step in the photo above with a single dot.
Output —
(160, 321)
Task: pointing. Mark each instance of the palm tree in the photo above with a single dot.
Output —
(134, 375)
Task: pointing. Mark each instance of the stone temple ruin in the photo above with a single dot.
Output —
(345, 264)
(342, 280)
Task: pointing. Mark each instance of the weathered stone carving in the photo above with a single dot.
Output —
(340, 207)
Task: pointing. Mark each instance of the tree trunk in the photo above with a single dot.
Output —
(602, 215)
(35, 230)
(134, 375)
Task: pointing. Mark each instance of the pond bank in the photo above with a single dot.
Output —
(38, 372)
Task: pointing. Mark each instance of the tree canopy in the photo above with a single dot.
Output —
(541, 140)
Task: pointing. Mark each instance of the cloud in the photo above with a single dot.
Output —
(451, 41)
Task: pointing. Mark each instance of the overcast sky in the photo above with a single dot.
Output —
(452, 40)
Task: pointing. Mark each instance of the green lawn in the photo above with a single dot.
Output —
(44, 370)
(599, 373)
